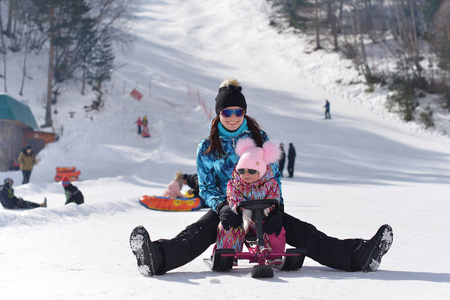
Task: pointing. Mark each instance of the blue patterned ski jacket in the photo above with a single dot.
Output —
(214, 172)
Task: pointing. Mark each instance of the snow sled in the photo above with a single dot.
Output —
(170, 204)
(224, 259)
(65, 169)
(72, 178)
(70, 172)
(145, 135)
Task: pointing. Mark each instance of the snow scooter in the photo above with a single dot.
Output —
(224, 259)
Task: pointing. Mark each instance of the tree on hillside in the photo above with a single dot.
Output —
(44, 17)
(442, 45)
(332, 11)
(11, 7)
(26, 37)
(101, 62)
(296, 12)
(111, 19)
(73, 29)
(441, 39)
(66, 25)
(3, 50)
(317, 7)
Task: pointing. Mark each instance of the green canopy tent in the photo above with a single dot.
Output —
(11, 109)
(17, 129)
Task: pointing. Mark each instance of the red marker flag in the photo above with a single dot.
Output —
(136, 94)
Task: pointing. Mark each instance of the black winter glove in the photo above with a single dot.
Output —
(274, 222)
(228, 217)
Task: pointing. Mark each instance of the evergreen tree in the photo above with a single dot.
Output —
(64, 23)
(100, 66)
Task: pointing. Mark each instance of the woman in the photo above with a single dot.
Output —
(27, 160)
(216, 160)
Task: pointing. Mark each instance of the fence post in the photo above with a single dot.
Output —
(199, 100)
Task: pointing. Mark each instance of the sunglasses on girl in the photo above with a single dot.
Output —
(250, 171)
(226, 113)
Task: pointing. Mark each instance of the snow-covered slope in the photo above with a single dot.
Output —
(353, 173)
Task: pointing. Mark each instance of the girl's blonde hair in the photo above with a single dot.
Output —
(178, 175)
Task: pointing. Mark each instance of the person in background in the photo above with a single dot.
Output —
(327, 110)
(27, 160)
(192, 181)
(173, 190)
(10, 201)
(139, 124)
(145, 126)
(282, 160)
(291, 160)
(73, 194)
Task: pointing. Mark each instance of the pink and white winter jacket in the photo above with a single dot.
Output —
(265, 188)
(173, 190)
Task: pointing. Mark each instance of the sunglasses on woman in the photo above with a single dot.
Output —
(226, 113)
(250, 171)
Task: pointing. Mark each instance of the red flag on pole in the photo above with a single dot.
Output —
(136, 94)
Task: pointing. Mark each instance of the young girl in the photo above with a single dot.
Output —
(139, 125)
(252, 179)
(73, 194)
(174, 188)
(145, 126)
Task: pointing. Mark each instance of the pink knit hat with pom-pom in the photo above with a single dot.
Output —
(257, 158)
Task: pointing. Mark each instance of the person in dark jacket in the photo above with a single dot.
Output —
(192, 182)
(27, 161)
(216, 159)
(282, 160)
(10, 201)
(291, 160)
(327, 109)
(73, 194)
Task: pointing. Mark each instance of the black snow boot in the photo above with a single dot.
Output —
(367, 255)
(148, 255)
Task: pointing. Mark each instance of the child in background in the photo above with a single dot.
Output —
(10, 201)
(192, 182)
(145, 126)
(174, 188)
(73, 194)
(139, 124)
(252, 179)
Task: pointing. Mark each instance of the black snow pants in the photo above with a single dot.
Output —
(26, 176)
(27, 204)
(197, 237)
(290, 167)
